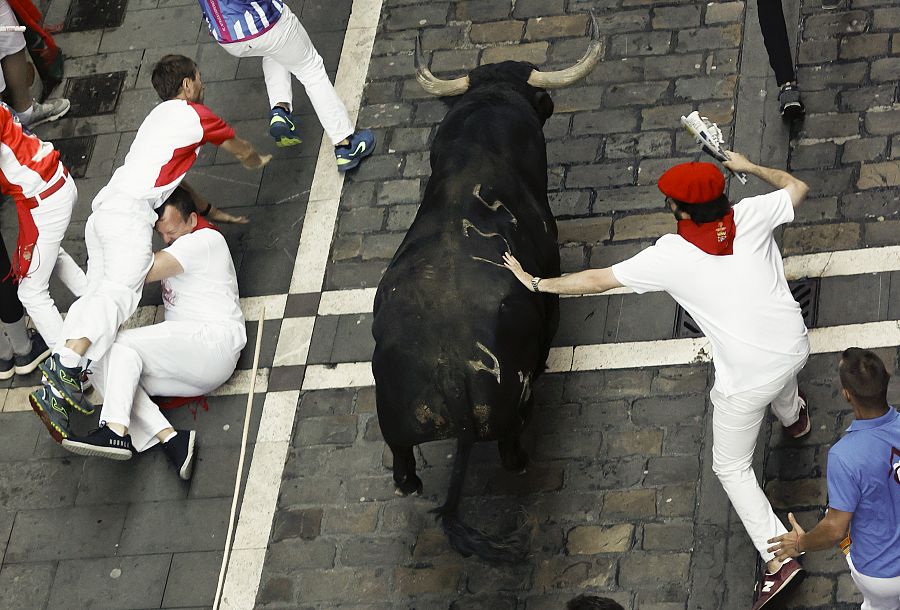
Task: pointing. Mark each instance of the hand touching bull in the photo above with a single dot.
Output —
(589, 281)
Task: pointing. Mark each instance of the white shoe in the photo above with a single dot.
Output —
(48, 111)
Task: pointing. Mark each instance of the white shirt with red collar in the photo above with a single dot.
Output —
(164, 149)
(28, 165)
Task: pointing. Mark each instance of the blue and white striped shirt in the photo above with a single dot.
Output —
(236, 20)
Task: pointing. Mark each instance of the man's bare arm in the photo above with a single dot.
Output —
(244, 152)
(827, 533)
(589, 281)
(796, 188)
(205, 208)
(164, 266)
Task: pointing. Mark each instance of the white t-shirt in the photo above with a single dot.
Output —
(164, 149)
(741, 302)
(206, 292)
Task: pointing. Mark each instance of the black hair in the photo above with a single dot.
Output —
(863, 375)
(704, 212)
(592, 602)
(169, 73)
(181, 200)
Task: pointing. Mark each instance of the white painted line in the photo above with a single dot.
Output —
(638, 354)
(293, 341)
(343, 375)
(244, 571)
(337, 302)
(825, 264)
(270, 455)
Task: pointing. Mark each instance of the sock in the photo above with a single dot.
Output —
(69, 358)
(83, 363)
(18, 335)
(170, 436)
(25, 115)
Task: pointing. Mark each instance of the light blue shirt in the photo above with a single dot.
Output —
(864, 479)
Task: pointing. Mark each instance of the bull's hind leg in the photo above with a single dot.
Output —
(405, 471)
(512, 455)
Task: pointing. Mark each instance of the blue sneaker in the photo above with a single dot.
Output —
(52, 411)
(67, 382)
(282, 128)
(361, 145)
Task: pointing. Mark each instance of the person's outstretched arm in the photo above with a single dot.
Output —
(244, 152)
(589, 281)
(796, 188)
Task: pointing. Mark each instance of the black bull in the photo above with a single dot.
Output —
(458, 340)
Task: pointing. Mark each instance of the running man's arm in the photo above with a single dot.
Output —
(244, 152)
(827, 533)
(589, 281)
(164, 266)
(796, 188)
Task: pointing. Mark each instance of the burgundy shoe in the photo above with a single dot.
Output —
(802, 426)
(771, 585)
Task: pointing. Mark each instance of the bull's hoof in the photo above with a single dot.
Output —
(411, 486)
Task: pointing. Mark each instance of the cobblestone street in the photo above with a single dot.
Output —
(619, 493)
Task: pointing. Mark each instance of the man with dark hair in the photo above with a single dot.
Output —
(592, 602)
(269, 29)
(863, 488)
(192, 352)
(725, 269)
(118, 232)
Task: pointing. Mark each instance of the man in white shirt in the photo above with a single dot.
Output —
(119, 230)
(725, 269)
(192, 352)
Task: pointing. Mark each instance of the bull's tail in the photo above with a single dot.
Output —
(466, 540)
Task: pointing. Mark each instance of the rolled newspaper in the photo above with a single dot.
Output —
(12, 28)
(709, 137)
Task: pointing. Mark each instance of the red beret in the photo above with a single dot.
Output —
(693, 182)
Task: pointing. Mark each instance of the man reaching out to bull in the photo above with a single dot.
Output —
(725, 269)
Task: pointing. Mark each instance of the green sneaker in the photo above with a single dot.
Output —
(52, 411)
(67, 382)
(282, 129)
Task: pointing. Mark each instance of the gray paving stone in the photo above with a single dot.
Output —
(90, 531)
(119, 582)
(39, 484)
(26, 586)
(199, 526)
(20, 436)
(221, 425)
(271, 329)
(146, 477)
(838, 302)
(192, 579)
(639, 317)
(139, 31)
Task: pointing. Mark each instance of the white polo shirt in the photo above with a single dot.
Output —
(207, 291)
(741, 302)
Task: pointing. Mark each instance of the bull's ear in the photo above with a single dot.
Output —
(543, 103)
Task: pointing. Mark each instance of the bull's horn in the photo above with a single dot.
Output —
(433, 84)
(583, 67)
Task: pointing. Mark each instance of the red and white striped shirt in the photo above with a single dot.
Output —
(28, 165)
(164, 149)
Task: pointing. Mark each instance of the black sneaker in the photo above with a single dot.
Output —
(53, 411)
(181, 449)
(789, 103)
(101, 442)
(7, 369)
(26, 363)
(67, 382)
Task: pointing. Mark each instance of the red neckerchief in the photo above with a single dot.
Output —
(202, 223)
(716, 237)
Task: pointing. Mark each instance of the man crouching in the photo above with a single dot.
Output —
(192, 352)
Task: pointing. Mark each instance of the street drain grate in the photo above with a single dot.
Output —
(94, 94)
(806, 293)
(75, 153)
(95, 14)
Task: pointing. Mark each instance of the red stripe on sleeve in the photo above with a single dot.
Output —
(215, 130)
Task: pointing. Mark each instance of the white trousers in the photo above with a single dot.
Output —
(878, 593)
(165, 359)
(286, 49)
(118, 237)
(736, 422)
(51, 218)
